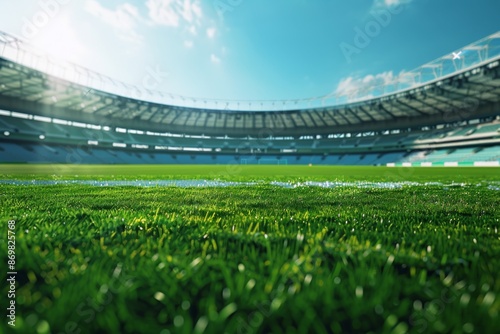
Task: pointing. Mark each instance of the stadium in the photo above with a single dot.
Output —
(130, 209)
(445, 112)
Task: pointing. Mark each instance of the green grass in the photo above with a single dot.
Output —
(261, 259)
(236, 172)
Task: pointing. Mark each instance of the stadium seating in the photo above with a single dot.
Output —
(459, 155)
(488, 128)
(90, 144)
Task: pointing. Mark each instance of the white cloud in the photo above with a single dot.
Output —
(392, 2)
(214, 59)
(389, 3)
(188, 44)
(211, 32)
(353, 87)
(60, 40)
(357, 87)
(172, 12)
(193, 30)
(123, 19)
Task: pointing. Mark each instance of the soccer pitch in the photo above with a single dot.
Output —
(237, 172)
(417, 254)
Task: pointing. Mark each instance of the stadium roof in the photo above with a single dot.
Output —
(462, 85)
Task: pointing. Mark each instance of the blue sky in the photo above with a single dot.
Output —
(250, 49)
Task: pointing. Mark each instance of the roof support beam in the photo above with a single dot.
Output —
(354, 114)
(411, 107)
(367, 113)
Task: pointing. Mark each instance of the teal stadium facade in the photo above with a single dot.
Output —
(444, 113)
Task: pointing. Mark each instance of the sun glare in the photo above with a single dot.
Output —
(60, 41)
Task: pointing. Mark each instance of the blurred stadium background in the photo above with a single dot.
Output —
(444, 113)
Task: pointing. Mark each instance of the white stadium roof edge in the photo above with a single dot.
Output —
(435, 93)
